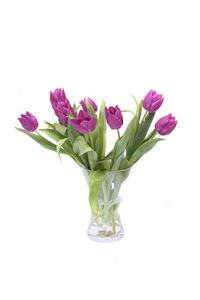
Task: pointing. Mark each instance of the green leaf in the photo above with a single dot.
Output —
(100, 145)
(140, 135)
(52, 133)
(134, 100)
(139, 110)
(144, 148)
(75, 107)
(60, 143)
(81, 147)
(49, 124)
(73, 134)
(41, 140)
(95, 180)
(60, 128)
(121, 144)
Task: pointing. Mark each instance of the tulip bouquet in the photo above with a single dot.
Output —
(80, 133)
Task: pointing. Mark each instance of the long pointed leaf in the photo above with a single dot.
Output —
(121, 144)
(140, 136)
(144, 148)
(41, 140)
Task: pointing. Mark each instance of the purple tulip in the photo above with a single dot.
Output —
(165, 125)
(84, 123)
(114, 117)
(152, 101)
(84, 106)
(28, 122)
(61, 105)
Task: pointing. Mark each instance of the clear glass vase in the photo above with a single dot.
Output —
(106, 225)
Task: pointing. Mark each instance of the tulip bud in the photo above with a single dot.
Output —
(165, 125)
(114, 117)
(152, 101)
(61, 105)
(84, 123)
(84, 106)
(28, 122)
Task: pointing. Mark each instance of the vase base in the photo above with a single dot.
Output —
(105, 236)
(108, 239)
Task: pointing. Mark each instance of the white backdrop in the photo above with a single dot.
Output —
(99, 49)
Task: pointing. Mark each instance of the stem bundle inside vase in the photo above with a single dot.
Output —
(80, 133)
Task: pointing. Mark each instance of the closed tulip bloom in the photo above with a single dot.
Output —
(166, 125)
(61, 105)
(28, 122)
(84, 106)
(152, 101)
(84, 123)
(114, 117)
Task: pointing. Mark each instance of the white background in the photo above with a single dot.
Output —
(99, 49)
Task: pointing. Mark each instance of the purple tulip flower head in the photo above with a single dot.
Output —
(28, 122)
(84, 123)
(114, 117)
(84, 106)
(166, 125)
(152, 101)
(61, 105)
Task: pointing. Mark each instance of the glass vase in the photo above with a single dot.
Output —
(106, 226)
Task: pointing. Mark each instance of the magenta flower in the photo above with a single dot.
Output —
(61, 105)
(114, 117)
(152, 101)
(165, 125)
(84, 106)
(84, 123)
(28, 122)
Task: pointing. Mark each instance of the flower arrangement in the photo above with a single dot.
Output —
(80, 133)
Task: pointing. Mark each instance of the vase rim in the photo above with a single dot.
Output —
(109, 171)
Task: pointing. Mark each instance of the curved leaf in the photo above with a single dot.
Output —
(95, 180)
(52, 133)
(80, 147)
(41, 140)
(144, 148)
(60, 128)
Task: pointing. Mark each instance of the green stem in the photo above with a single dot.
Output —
(38, 133)
(151, 135)
(91, 140)
(113, 220)
(144, 117)
(118, 133)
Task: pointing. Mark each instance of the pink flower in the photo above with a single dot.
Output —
(165, 125)
(84, 123)
(114, 117)
(28, 122)
(61, 105)
(84, 106)
(152, 101)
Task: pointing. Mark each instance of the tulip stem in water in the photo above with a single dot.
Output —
(91, 140)
(118, 133)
